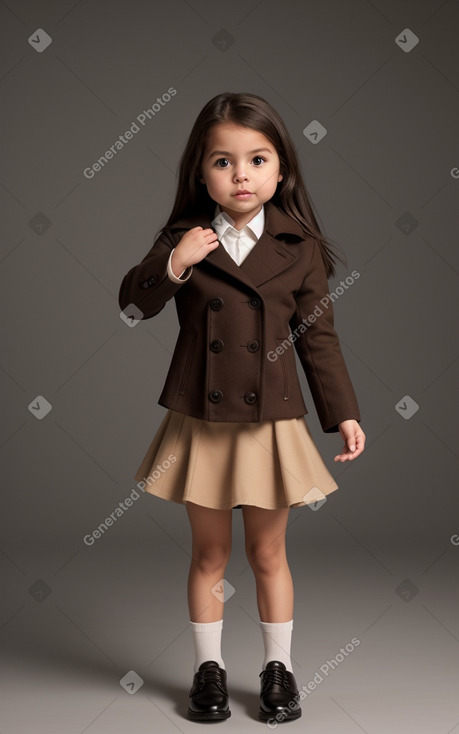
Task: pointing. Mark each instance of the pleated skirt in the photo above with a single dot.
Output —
(223, 465)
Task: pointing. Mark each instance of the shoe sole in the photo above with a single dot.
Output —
(208, 716)
(265, 716)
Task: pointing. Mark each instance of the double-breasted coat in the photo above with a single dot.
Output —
(240, 326)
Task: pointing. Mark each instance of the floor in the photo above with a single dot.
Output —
(87, 619)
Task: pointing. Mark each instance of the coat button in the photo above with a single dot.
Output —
(253, 345)
(254, 303)
(216, 304)
(149, 282)
(250, 398)
(217, 345)
(215, 396)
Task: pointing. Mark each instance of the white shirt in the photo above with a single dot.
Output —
(237, 242)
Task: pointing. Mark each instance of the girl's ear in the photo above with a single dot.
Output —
(280, 177)
(200, 179)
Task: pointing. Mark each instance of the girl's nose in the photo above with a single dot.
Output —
(241, 176)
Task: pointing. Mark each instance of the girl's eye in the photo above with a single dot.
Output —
(220, 163)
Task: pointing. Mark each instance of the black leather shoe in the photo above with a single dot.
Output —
(279, 694)
(208, 694)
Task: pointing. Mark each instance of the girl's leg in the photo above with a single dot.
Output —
(211, 550)
(265, 549)
(266, 553)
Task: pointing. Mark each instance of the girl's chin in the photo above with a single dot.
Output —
(240, 205)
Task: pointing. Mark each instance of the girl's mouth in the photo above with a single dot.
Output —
(243, 196)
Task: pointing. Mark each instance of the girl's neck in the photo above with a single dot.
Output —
(241, 219)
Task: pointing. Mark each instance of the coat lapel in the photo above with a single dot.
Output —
(267, 259)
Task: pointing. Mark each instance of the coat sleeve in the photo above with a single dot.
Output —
(319, 350)
(147, 285)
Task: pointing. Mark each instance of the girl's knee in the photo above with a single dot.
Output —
(266, 559)
(212, 559)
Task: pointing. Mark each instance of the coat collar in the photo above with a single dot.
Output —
(267, 259)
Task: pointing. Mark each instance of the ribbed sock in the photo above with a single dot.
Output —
(207, 638)
(277, 638)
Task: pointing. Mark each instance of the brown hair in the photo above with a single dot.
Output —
(248, 110)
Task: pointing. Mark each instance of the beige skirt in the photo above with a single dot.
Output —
(271, 464)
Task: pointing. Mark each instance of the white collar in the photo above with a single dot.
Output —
(222, 221)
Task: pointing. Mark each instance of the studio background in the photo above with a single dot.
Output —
(379, 560)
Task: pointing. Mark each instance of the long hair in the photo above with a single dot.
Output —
(252, 111)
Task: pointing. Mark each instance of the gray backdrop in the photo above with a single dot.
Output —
(85, 627)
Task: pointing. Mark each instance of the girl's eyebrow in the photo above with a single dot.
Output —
(251, 152)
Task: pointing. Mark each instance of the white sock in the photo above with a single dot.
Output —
(277, 638)
(207, 642)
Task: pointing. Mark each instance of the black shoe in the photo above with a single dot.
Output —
(278, 693)
(208, 694)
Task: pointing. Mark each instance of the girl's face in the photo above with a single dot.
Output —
(238, 158)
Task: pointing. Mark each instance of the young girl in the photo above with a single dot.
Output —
(244, 258)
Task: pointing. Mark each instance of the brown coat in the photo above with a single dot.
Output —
(233, 317)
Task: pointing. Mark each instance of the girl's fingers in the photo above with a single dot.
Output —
(347, 454)
(360, 441)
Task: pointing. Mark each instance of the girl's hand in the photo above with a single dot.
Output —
(192, 248)
(354, 440)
